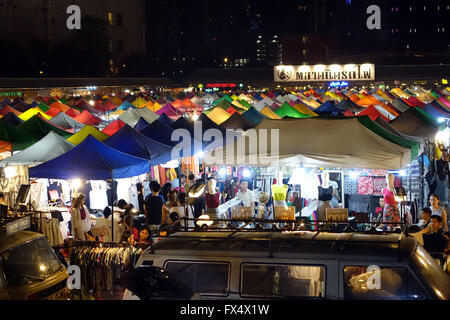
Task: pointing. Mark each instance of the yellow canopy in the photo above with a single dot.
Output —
(79, 137)
(234, 97)
(239, 105)
(31, 113)
(117, 113)
(218, 115)
(305, 110)
(269, 113)
(334, 96)
(154, 107)
(117, 101)
(139, 103)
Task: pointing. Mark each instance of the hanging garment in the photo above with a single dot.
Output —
(441, 189)
(350, 186)
(398, 182)
(50, 228)
(98, 195)
(365, 185)
(279, 193)
(378, 185)
(38, 193)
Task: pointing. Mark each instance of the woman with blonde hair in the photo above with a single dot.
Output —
(81, 218)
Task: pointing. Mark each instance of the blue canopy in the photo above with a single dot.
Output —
(165, 120)
(92, 160)
(132, 142)
(141, 124)
(254, 116)
(440, 108)
(328, 108)
(126, 105)
(159, 132)
(434, 112)
(183, 123)
(12, 119)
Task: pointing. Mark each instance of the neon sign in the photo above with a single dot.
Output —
(338, 84)
(221, 85)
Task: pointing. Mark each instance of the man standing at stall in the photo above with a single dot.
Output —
(246, 196)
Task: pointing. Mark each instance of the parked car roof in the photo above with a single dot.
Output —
(287, 243)
(10, 241)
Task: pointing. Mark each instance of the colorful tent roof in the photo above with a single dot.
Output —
(87, 118)
(64, 121)
(287, 111)
(132, 116)
(113, 127)
(142, 124)
(236, 122)
(8, 109)
(160, 133)
(43, 107)
(40, 127)
(269, 113)
(92, 160)
(31, 113)
(46, 149)
(18, 139)
(218, 115)
(169, 111)
(302, 108)
(137, 144)
(254, 116)
(59, 106)
(81, 135)
(165, 120)
(373, 113)
(12, 119)
(328, 108)
(413, 124)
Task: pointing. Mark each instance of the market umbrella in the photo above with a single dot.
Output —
(46, 149)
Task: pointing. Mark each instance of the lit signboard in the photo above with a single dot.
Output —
(322, 73)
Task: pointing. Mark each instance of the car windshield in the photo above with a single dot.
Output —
(432, 273)
(28, 263)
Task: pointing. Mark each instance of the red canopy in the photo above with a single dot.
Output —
(373, 114)
(52, 112)
(8, 109)
(87, 118)
(72, 112)
(113, 127)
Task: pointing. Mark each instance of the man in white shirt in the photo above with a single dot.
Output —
(246, 196)
(105, 222)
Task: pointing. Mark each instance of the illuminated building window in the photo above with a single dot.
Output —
(110, 18)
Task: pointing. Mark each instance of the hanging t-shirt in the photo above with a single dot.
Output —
(279, 192)
(325, 194)
(98, 196)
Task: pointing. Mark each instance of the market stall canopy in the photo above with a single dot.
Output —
(372, 113)
(254, 116)
(381, 122)
(413, 124)
(52, 112)
(287, 111)
(113, 127)
(183, 123)
(59, 106)
(43, 107)
(126, 105)
(40, 127)
(218, 115)
(8, 109)
(347, 104)
(165, 120)
(46, 149)
(136, 144)
(21, 106)
(270, 114)
(12, 119)
(132, 116)
(18, 139)
(88, 130)
(326, 143)
(66, 122)
(328, 108)
(435, 112)
(87, 118)
(140, 125)
(160, 133)
(31, 113)
(169, 110)
(91, 160)
(236, 122)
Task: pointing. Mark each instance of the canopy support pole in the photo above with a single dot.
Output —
(112, 207)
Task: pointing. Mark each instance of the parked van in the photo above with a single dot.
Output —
(30, 269)
(297, 265)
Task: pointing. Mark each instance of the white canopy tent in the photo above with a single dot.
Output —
(327, 143)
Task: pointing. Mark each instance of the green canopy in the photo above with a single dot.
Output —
(63, 100)
(43, 107)
(245, 103)
(287, 111)
(226, 98)
(19, 139)
(379, 130)
(40, 128)
(426, 117)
